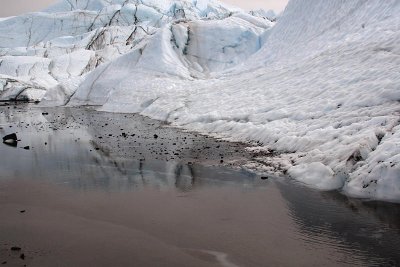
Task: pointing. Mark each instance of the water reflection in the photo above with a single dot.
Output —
(370, 229)
(78, 149)
(72, 155)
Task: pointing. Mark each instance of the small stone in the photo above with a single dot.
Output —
(45, 113)
(22, 256)
(22, 211)
(155, 136)
(264, 178)
(15, 248)
(27, 147)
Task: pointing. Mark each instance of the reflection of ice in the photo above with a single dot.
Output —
(71, 155)
(349, 225)
(220, 257)
(326, 219)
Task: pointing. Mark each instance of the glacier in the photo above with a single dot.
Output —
(316, 89)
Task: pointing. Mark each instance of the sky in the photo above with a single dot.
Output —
(15, 7)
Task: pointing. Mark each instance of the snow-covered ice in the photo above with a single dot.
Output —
(320, 87)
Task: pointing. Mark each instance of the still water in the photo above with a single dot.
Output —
(175, 196)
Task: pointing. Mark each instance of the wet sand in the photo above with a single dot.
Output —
(98, 189)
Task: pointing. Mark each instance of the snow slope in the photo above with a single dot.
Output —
(319, 91)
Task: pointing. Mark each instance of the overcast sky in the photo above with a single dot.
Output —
(15, 7)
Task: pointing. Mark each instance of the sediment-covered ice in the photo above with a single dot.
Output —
(319, 89)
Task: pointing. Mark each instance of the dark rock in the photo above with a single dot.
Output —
(4, 262)
(155, 136)
(45, 113)
(22, 256)
(11, 140)
(22, 211)
(264, 178)
(15, 248)
(12, 136)
(27, 147)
